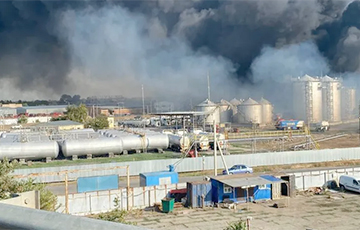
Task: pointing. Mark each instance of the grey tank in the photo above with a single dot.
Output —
(133, 142)
(95, 147)
(29, 150)
(157, 141)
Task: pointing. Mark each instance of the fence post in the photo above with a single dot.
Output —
(66, 193)
(127, 189)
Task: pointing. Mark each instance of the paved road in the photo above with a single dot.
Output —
(59, 188)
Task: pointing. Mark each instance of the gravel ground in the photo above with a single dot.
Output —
(316, 212)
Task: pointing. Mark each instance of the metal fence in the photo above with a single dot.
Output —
(197, 164)
(102, 201)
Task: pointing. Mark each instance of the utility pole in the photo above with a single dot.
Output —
(359, 120)
(215, 150)
(208, 81)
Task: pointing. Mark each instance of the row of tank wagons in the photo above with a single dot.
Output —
(154, 122)
(12, 146)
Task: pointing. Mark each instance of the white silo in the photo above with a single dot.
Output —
(266, 111)
(235, 102)
(226, 111)
(331, 95)
(211, 109)
(348, 103)
(249, 111)
(307, 99)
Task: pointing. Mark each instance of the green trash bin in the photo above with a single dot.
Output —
(167, 204)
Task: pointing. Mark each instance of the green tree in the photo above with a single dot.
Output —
(9, 185)
(22, 119)
(77, 113)
(100, 122)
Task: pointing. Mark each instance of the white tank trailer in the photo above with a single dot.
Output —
(203, 141)
(179, 143)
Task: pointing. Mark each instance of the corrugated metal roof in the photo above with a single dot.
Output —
(271, 178)
(45, 107)
(235, 181)
(59, 123)
(161, 173)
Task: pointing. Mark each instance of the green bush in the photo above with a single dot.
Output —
(238, 225)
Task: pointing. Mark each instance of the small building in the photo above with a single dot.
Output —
(198, 194)
(159, 178)
(247, 188)
(59, 125)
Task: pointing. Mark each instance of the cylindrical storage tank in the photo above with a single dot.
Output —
(133, 142)
(29, 150)
(226, 111)
(250, 111)
(307, 99)
(348, 104)
(95, 147)
(179, 142)
(331, 95)
(157, 141)
(212, 110)
(266, 111)
(203, 140)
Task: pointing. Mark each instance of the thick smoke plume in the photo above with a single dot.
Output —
(113, 47)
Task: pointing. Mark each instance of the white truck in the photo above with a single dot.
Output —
(322, 126)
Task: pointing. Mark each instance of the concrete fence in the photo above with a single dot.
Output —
(318, 177)
(194, 164)
(102, 201)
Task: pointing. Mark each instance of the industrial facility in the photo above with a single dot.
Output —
(316, 99)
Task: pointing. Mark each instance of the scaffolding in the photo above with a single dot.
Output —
(309, 101)
(329, 100)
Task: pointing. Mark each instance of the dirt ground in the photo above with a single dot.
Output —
(334, 210)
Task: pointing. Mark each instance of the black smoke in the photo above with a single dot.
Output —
(35, 52)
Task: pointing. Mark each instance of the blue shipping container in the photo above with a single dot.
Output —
(158, 178)
(98, 183)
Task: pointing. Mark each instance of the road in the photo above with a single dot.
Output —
(59, 188)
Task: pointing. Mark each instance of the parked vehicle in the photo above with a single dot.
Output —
(289, 124)
(237, 169)
(349, 183)
(322, 126)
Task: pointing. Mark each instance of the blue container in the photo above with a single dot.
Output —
(98, 183)
(158, 178)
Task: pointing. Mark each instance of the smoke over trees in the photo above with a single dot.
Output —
(48, 48)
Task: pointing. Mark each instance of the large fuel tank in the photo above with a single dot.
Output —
(29, 150)
(157, 141)
(133, 142)
(95, 147)
(180, 142)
